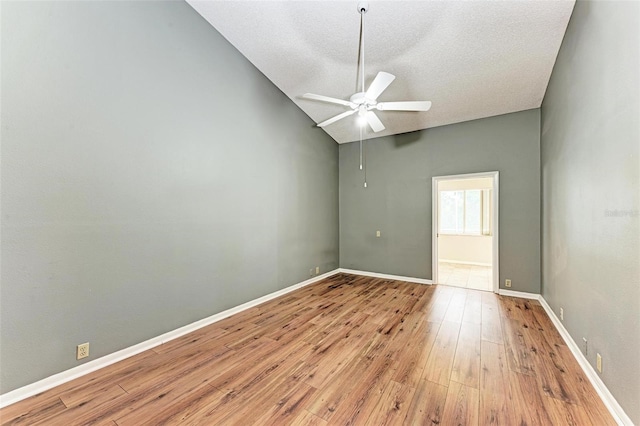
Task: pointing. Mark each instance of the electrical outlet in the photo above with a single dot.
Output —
(317, 270)
(82, 351)
(507, 283)
(584, 341)
(377, 233)
(561, 314)
(599, 362)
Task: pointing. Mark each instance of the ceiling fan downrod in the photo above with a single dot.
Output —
(363, 7)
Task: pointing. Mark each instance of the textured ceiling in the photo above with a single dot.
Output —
(472, 59)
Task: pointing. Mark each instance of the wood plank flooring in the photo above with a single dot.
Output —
(346, 350)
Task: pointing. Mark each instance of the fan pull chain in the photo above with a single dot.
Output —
(364, 155)
(360, 148)
(363, 158)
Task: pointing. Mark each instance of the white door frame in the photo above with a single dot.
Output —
(494, 218)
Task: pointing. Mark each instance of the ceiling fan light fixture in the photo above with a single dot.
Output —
(364, 101)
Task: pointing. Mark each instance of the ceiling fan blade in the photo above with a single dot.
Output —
(404, 106)
(328, 99)
(379, 84)
(374, 121)
(336, 118)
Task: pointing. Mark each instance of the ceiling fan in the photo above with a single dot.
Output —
(364, 102)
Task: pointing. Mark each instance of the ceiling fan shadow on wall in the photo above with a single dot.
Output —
(364, 102)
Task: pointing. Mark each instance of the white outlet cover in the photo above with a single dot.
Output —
(82, 351)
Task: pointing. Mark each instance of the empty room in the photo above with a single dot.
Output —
(320, 213)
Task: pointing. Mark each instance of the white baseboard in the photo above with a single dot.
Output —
(520, 294)
(461, 262)
(91, 366)
(386, 276)
(607, 398)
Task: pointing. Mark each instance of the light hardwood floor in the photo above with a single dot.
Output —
(346, 350)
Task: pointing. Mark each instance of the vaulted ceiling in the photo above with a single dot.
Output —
(472, 59)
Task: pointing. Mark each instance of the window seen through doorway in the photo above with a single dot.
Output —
(465, 212)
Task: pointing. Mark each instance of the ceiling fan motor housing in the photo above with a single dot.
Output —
(361, 99)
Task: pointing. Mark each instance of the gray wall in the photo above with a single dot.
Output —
(151, 177)
(591, 190)
(398, 198)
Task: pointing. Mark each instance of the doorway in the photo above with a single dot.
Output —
(465, 230)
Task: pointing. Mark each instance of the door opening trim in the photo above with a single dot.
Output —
(494, 218)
